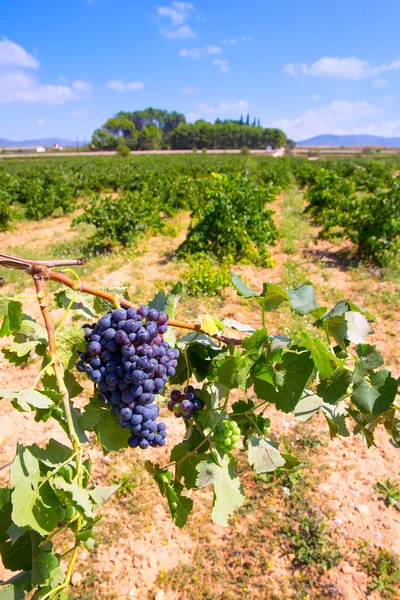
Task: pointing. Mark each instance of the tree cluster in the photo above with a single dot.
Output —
(155, 129)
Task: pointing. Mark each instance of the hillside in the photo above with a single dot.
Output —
(350, 140)
(43, 142)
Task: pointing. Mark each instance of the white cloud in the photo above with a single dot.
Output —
(81, 86)
(13, 55)
(223, 65)
(190, 90)
(378, 83)
(246, 38)
(315, 97)
(17, 86)
(120, 86)
(340, 68)
(213, 50)
(183, 32)
(177, 14)
(220, 109)
(80, 113)
(190, 52)
(42, 123)
(230, 41)
(338, 117)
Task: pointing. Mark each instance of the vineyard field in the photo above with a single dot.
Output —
(325, 521)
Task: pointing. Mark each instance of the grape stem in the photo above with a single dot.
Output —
(41, 270)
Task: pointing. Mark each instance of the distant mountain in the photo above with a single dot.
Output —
(350, 140)
(44, 142)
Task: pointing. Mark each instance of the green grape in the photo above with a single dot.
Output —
(70, 512)
(89, 544)
(227, 435)
(61, 513)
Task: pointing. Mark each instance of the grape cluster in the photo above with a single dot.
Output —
(129, 362)
(227, 435)
(185, 404)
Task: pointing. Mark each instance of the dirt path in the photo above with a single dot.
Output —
(139, 547)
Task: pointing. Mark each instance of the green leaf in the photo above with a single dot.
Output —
(5, 513)
(308, 406)
(236, 325)
(83, 303)
(15, 532)
(18, 556)
(30, 399)
(207, 472)
(321, 356)
(302, 298)
(340, 309)
(264, 456)
(10, 592)
(336, 418)
(369, 358)
(377, 397)
(98, 417)
(211, 325)
(54, 454)
(69, 341)
(256, 342)
(186, 463)
(100, 494)
(168, 302)
(179, 506)
(232, 371)
(102, 306)
(333, 389)
(228, 493)
(272, 296)
(241, 288)
(11, 313)
(296, 369)
(34, 505)
(45, 565)
(346, 321)
(74, 494)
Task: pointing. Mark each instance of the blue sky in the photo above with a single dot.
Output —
(310, 67)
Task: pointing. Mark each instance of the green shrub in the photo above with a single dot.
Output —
(123, 150)
(232, 223)
(121, 220)
(205, 277)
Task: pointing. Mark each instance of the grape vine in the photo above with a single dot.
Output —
(222, 387)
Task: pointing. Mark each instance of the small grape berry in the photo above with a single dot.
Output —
(185, 404)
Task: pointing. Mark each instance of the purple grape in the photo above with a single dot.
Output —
(119, 314)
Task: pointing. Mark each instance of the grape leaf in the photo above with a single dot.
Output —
(179, 506)
(186, 463)
(228, 493)
(232, 324)
(97, 416)
(69, 341)
(8, 591)
(377, 397)
(45, 565)
(54, 454)
(19, 555)
(34, 502)
(207, 472)
(296, 369)
(334, 388)
(83, 303)
(302, 298)
(5, 513)
(210, 324)
(321, 356)
(241, 288)
(100, 494)
(369, 358)
(168, 302)
(30, 399)
(232, 371)
(102, 306)
(11, 313)
(308, 406)
(74, 494)
(264, 456)
(336, 418)
(256, 342)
